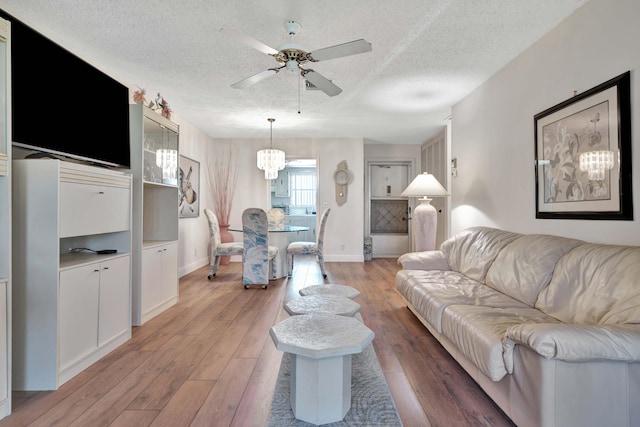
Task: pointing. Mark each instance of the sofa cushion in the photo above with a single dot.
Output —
(478, 331)
(595, 285)
(430, 292)
(526, 265)
(472, 251)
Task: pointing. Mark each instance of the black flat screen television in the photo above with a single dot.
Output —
(63, 105)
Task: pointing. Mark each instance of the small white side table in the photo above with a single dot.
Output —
(330, 289)
(321, 346)
(332, 304)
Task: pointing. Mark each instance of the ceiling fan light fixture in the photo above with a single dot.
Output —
(271, 160)
(292, 66)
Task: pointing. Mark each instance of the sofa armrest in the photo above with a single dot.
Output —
(574, 343)
(426, 260)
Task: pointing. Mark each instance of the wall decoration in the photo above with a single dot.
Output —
(583, 155)
(342, 176)
(188, 188)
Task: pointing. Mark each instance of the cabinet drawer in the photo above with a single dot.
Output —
(93, 209)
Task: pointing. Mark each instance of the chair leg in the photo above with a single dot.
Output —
(290, 264)
(213, 267)
(321, 262)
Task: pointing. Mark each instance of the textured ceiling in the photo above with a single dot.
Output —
(427, 55)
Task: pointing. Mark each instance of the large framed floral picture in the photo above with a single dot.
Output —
(583, 155)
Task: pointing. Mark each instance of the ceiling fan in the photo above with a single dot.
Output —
(291, 56)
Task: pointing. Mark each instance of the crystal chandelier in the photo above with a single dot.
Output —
(270, 160)
(595, 163)
(167, 160)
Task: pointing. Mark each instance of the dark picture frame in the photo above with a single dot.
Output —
(188, 188)
(594, 123)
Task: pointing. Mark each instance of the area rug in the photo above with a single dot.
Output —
(371, 402)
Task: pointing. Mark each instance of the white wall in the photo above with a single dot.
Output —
(344, 225)
(193, 233)
(492, 129)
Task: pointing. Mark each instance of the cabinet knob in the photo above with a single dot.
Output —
(105, 268)
(100, 192)
(96, 271)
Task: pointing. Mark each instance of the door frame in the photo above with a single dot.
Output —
(376, 161)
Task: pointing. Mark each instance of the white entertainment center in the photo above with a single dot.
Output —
(71, 306)
(88, 243)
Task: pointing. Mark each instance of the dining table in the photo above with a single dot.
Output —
(278, 237)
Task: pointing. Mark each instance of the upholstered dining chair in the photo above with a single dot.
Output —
(275, 217)
(310, 248)
(257, 253)
(218, 248)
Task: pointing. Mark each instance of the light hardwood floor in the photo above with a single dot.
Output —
(209, 360)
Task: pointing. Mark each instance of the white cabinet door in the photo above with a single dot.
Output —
(169, 271)
(114, 312)
(159, 276)
(151, 277)
(282, 184)
(78, 312)
(93, 209)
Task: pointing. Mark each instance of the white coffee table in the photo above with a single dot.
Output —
(332, 304)
(321, 346)
(330, 289)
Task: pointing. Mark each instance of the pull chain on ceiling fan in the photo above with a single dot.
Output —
(291, 56)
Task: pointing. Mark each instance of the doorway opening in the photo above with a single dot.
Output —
(387, 212)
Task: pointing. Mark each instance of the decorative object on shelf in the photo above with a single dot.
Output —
(138, 96)
(222, 175)
(583, 155)
(167, 160)
(271, 160)
(188, 188)
(342, 176)
(160, 104)
(425, 216)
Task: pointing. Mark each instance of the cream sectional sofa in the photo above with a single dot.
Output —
(548, 326)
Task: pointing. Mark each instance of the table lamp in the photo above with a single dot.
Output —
(425, 215)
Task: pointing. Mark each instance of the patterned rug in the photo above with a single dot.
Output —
(371, 402)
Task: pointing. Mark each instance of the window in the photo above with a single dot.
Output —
(303, 188)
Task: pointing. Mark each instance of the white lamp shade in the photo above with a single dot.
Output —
(424, 185)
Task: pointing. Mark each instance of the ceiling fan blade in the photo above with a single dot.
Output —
(321, 82)
(249, 41)
(340, 50)
(256, 78)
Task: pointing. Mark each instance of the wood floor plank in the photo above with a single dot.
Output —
(220, 406)
(184, 404)
(209, 360)
(129, 418)
(161, 389)
(117, 398)
(255, 405)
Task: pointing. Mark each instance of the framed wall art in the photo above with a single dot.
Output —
(188, 188)
(583, 155)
